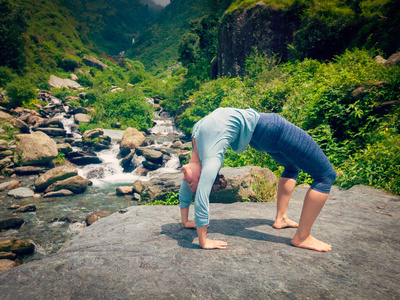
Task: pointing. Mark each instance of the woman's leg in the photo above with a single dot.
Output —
(313, 203)
(285, 190)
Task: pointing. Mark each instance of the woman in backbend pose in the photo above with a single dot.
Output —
(286, 143)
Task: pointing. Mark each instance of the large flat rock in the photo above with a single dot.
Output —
(146, 254)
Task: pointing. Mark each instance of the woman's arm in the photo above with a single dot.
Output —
(185, 218)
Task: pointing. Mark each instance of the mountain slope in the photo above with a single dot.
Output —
(157, 46)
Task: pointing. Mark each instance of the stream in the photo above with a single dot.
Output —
(57, 219)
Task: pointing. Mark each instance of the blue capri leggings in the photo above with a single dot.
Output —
(293, 148)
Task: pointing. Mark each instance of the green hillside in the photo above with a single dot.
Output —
(157, 46)
(113, 24)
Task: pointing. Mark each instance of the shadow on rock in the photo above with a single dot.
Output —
(229, 227)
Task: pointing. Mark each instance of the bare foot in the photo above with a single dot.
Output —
(311, 243)
(284, 223)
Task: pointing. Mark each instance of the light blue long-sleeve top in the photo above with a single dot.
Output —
(213, 134)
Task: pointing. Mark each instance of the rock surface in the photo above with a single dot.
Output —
(233, 184)
(146, 254)
(36, 148)
(57, 82)
(53, 175)
(131, 139)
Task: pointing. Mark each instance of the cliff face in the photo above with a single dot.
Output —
(266, 28)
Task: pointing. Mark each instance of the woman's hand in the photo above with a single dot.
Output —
(214, 244)
(189, 224)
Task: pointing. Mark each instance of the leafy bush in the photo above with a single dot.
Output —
(20, 91)
(68, 64)
(6, 75)
(85, 79)
(129, 107)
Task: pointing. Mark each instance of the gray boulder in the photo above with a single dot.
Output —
(393, 59)
(231, 185)
(60, 193)
(11, 223)
(26, 208)
(3, 145)
(57, 82)
(93, 133)
(64, 148)
(30, 170)
(51, 131)
(13, 184)
(7, 264)
(131, 139)
(21, 125)
(84, 118)
(153, 155)
(5, 162)
(94, 62)
(17, 246)
(5, 153)
(76, 184)
(34, 149)
(53, 175)
(21, 192)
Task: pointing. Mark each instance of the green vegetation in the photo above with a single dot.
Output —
(350, 106)
(171, 199)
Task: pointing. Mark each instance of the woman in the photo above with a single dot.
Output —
(286, 143)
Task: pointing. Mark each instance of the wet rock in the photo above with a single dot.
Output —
(6, 116)
(51, 123)
(138, 186)
(150, 165)
(21, 125)
(127, 160)
(6, 264)
(30, 170)
(93, 133)
(9, 185)
(11, 223)
(84, 118)
(153, 156)
(140, 171)
(5, 153)
(26, 208)
(5, 162)
(95, 173)
(85, 160)
(124, 190)
(94, 217)
(35, 149)
(131, 139)
(53, 175)
(17, 246)
(3, 145)
(177, 145)
(64, 148)
(51, 131)
(21, 192)
(76, 184)
(7, 255)
(60, 193)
